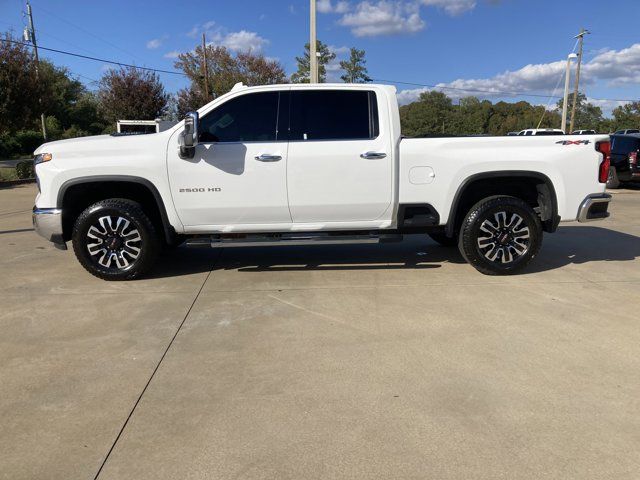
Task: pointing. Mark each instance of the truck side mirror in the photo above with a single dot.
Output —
(189, 137)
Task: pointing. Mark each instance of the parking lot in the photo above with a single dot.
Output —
(370, 361)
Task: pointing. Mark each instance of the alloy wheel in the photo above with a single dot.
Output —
(114, 242)
(507, 237)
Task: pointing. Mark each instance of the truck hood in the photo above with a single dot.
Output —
(101, 146)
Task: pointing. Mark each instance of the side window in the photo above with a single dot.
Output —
(333, 115)
(249, 118)
(528, 132)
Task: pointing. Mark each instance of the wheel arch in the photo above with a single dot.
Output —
(78, 193)
(538, 190)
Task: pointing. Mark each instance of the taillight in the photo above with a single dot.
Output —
(633, 159)
(605, 149)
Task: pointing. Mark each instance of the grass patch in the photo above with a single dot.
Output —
(7, 174)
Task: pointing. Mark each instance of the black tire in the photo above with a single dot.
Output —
(442, 239)
(114, 240)
(613, 181)
(500, 235)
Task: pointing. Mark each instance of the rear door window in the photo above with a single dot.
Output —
(333, 115)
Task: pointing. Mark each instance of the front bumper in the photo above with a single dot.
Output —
(594, 207)
(47, 222)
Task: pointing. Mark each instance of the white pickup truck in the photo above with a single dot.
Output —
(309, 164)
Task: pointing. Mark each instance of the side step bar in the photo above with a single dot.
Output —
(282, 239)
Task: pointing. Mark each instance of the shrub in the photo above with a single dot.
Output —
(74, 132)
(9, 146)
(25, 169)
(28, 140)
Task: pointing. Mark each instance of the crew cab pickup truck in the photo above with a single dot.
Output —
(309, 164)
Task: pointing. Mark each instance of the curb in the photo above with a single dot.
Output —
(10, 183)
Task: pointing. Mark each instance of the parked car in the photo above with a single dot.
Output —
(624, 159)
(512, 134)
(311, 164)
(583, 132)
(540, 131)
(627, 131)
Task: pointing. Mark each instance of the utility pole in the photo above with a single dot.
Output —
(205, 68)
(565, 100)
(313, 58)
(30, 35)
(580, 38)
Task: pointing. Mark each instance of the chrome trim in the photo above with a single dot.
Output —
(587, 203)
(266, 157)
(283, 240)
(373, 155)
(47, 222)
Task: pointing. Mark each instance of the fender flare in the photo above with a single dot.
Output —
(169, 231)
(550, 225)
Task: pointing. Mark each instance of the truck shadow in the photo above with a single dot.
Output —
(570, 245)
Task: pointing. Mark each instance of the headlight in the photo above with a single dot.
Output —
(41, 158)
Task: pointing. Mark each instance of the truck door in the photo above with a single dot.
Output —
(238, 174)
(340, 162)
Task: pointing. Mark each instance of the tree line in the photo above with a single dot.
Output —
(72, 110)
(434, 113)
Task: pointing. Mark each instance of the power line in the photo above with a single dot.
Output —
(397, 82)
(88, 32)
(63, 52)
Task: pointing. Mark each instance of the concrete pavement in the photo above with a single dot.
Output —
(371, 361)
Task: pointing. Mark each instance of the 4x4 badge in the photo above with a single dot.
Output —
(574, 142)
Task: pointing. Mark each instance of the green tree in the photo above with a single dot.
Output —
(428, 116)
(435, 114)
(355, 69)
(302, 75)
(18, 86)
(131, 93)
(588, 116)
(224, 71)
(626, 116)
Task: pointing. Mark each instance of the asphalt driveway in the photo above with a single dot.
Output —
(369, 361)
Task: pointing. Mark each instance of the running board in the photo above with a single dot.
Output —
(282, 239)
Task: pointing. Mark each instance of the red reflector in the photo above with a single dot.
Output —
(605, 149)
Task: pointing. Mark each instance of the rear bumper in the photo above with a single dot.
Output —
(594, 207)
(47, 222)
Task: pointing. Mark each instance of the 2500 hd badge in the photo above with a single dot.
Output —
(200, 190)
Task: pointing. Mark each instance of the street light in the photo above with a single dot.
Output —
(567, 76)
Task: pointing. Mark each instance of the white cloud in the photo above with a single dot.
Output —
(451, 7)
(244, 41)
(241, 41)
(333, 67)
(619, 67)
(615, 67)
(338, 50)
(607, 106)
(172, 54)
(156, 42)
(327, 6)
(383, 17)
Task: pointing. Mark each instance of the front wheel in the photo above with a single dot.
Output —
(115, 240)
(500, 235)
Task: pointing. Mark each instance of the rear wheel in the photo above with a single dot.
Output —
(500, 235)
(114, 240)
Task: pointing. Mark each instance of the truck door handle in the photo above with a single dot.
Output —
(373, 155)
(266, 157)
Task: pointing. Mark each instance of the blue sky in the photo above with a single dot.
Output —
(489, 45)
